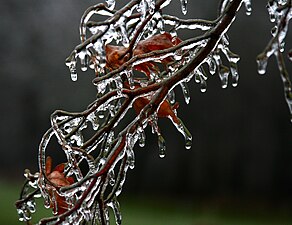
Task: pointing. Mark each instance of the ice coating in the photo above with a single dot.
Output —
(280, 13)
(98, 148)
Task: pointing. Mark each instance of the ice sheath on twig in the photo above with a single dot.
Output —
(136, 38)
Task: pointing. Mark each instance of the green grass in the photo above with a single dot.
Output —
(137, 210)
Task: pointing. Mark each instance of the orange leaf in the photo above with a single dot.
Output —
(58, 178)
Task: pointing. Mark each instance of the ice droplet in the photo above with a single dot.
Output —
(223, 75)
(234, 74)
(131, 158)
(110, 4)
(151, 6)
(274, 31)
(171, 96)
(186, 92)
(111, 177)
(248, 8)
(73, 72)
(20, 215)
(161, 146)
(201, 79)
(212, 66)
(272, 7)
(31, 206)
(142, 138)
(184, 6)
(262, 61)
(185, 132)
(203, 86)
(71, 63)
(83, 60)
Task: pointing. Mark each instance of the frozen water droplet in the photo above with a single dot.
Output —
(83, 60)
(184, 6)
(185, 132)
(272, 7)
(111, 4)
(71, 63)
(31, 206)
(142, 138)
(151, 6)
(73, 72)
(131, 158)
(111, 177)
(212, 66)
(248, 7)
(234, 74)
(20, 215)
(27, 215)
(47, 202)
(282, 46)
(173, 33)
(197, 78)
(262, 61)
(203, 86)
(186, 92)
(223, 75)
(171, 96)
(161, 146)
(274, 31)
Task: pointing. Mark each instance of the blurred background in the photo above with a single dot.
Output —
(239, 170)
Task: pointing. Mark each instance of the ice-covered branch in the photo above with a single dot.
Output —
(138, 61)
(280, 14)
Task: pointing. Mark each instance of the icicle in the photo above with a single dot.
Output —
(142, 8)
(161, 146)
(274, 31)
(111, 177)
(92, 118)
(151, 6)
(248, 8)
(20, 215)
(212, 65)
(83, 60)
(131, 158)
(173, 33)
(101, 86)
(262, 61)
(154, 127)
(160, 22)
(121, 32)
(72, 67)
(142, 138)
(171, 96)
(114, 204)
(110, 4)
(234, 74)
(186, 92)
(129, 75)
(223, 75)
(201, 78)
(272, 7)
(184, 6)
(31, 205)
(185, 132)
(203, 86)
